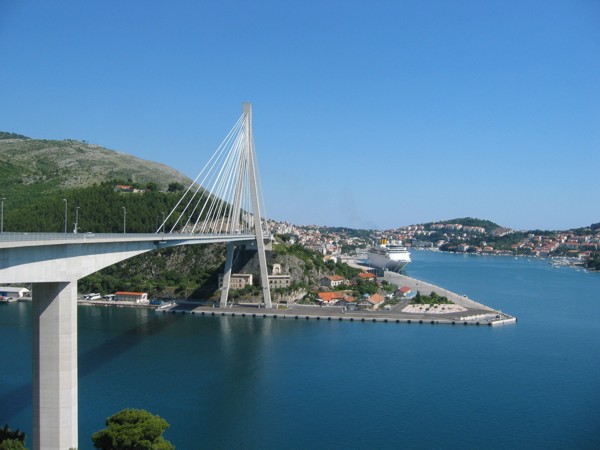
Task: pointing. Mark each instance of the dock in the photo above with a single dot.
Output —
(476, 317)
(463, 311)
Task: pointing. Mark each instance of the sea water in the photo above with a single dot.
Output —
(254, 383)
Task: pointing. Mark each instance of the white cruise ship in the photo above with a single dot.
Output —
(388, 256)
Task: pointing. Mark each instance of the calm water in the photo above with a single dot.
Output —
(273, 383)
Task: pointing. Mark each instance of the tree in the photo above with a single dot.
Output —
(152, 186)
(133, 429)
(11, 440)
(12, 444)
(175, 187)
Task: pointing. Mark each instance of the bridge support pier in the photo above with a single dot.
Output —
(54, 361)
(227, 274)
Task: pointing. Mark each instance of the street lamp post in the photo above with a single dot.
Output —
(124, 220)
(65, 200)
(76, 219)
(163, 222)
(2, 220)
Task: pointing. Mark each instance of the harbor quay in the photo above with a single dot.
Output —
(464, 311)
(426, 288)
(306, 312)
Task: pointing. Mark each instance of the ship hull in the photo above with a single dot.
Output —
(385, 262)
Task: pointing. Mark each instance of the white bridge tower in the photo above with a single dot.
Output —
(247, 172)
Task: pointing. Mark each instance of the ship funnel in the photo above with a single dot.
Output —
(383, 241)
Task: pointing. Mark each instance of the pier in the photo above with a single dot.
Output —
(302, 312)
(469, 312)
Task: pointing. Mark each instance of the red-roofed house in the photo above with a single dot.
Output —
(372, 302)
(332, 281)
(349, 302)
(404, 291)
(330, 298)
(367, 276)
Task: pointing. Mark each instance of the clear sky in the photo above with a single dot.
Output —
(367, 114)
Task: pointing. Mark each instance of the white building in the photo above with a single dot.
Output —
(134, 297)
(14, 291)
(278, 279)
(237, 280)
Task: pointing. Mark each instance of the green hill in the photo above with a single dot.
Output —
(31, 168)
(38, 174)
(471, 222)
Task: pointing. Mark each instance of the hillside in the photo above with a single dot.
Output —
(34, 167)
(38, 174)
(471, 222)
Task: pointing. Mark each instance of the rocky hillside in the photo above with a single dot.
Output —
(39, 166)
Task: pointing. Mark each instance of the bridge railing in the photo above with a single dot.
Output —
(78, 237)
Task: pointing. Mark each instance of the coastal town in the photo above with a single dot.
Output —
(581, 246)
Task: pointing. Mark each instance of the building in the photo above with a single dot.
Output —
(330, 298)
(366, 276)
(134, 297)
(332, 281)
(237, 280)
(347, 302)
(14, 291)
(127, 188)
(404, 291)
(278, 279)
(371, 302)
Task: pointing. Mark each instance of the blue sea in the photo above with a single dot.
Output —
(242, 383)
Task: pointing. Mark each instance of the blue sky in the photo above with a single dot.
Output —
(366, 114)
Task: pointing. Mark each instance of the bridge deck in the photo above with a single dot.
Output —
(13, 240)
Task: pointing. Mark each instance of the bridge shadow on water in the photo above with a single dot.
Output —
(20, 398)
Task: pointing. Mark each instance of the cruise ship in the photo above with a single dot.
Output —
(388, 256)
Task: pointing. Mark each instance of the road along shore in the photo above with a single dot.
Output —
(426, 289)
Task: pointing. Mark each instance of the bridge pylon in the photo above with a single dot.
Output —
(247, 172)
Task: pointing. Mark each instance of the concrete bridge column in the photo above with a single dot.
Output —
(54, 357)
(227, 274)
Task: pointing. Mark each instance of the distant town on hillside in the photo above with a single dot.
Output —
(466, 235)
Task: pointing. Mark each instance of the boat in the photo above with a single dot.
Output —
(389, 256)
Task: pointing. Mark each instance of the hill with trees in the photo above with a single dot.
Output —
(32, 168)
(470, 222)
(43, 177)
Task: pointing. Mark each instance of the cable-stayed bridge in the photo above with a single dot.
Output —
(223, 204)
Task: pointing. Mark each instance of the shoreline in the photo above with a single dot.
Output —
(469, 311)
(305, 312)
